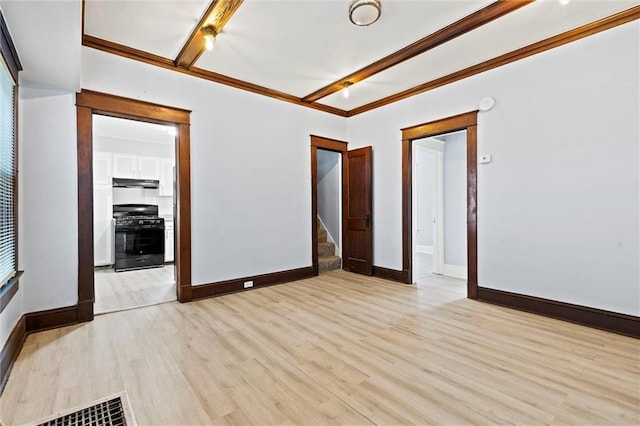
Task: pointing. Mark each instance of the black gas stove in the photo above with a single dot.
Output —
(139, 237)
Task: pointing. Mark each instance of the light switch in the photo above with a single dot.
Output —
(484, 159)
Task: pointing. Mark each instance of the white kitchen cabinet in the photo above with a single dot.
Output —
(135, 167)
(125, 166)
(102, 225)
(167, 170)
(148, 168)
(168, 240)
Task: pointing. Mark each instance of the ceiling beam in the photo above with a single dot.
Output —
(587, 30)
(216, 16)
(458, 28)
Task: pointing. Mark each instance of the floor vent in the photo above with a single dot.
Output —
(113, 410)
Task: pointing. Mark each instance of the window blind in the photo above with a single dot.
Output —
(7, 176)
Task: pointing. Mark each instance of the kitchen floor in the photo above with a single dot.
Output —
(116, 291)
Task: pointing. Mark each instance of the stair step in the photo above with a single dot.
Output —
(322, 236)
(326, 249)
(328, 263)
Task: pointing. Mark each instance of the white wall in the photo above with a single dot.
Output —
(559, 204)
(251, 179)
(455, 199)
(49, 198)
(329, 193)
(425, 195)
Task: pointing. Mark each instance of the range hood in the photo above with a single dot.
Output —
(135, 183)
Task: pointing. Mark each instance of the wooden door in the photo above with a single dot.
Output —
(358, 235)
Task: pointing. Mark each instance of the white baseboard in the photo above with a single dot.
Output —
(455, 271)
(424, 249)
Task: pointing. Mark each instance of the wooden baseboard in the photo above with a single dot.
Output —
(237, 284)
(51, 318)
(11, 349)
(628, 325)
(391, 274)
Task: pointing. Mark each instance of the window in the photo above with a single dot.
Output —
(9, 68)
(7, 176)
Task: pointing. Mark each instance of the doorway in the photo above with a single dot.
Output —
(133, 211)
(439, 206)
(329, 190)
(356, 192)
(468, 123)
(88, 104)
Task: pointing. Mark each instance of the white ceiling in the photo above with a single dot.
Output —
(45, 66)
(299, 46)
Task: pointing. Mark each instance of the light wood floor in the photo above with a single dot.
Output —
(337, 349)
(116, 291)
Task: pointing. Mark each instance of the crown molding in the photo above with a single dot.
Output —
(587, 30)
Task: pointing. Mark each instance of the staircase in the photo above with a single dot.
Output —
(327, 260)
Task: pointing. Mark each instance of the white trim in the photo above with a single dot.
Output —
(455, 271)
(424, 249)
(438, 235)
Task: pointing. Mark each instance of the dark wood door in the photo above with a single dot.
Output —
(358, 247)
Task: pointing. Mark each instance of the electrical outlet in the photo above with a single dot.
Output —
(248, 284)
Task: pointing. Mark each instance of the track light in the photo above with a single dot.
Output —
(345, 89)
(209, 37)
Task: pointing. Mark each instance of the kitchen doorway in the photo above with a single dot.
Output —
(439, 205)
(133, 213)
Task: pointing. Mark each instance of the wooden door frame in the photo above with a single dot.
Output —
(341, 148)
(89, 103)
(468, 122)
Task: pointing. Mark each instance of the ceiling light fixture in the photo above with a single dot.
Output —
(563, 2)
(209, 37)
(345, 89)
(365, 12)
